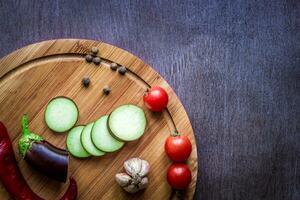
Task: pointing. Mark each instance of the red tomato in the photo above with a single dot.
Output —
(156, 99)
(178, 147)
(179, 176)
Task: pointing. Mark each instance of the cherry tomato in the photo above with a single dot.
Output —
(179, 176)
(178, 147)
(156, 99)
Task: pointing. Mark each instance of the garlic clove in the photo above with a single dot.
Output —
(143, 184)
(123, 179)
(131, 189)
(133, 166)
(144, 169)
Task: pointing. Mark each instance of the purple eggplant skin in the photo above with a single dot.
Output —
(49, 160)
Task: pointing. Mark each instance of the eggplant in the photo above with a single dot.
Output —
(43, 156)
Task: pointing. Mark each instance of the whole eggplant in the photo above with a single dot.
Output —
(43, 156)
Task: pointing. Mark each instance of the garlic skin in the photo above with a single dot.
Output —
(144, 169)
(135, 178)
(133, 166)
(144, 182)
(123, 179)
(131, 189)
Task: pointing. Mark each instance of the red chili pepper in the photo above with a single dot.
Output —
(13, 180)
(71, 193)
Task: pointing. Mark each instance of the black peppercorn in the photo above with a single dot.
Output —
(94, 50)
(113, 66)
(122, 70)
(86, 81)
(88, 58)
(106, 90)
(96, 60)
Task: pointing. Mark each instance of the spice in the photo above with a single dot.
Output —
(106, 90)
(86, 81)
(89, 58)
(113, 66)
(122, 70)
(94, 50)
(96, 60)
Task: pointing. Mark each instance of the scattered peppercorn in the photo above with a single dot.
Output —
(122, 70)
(106, 90)
(96, 60)
(86, 81)
(94, 50)
(113, 66)
(89, 58)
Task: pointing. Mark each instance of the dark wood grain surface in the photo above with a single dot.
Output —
(234, 64)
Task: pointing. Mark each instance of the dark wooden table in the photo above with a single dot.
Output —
(234, 64)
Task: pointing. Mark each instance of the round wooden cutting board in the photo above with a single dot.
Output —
(33, 75)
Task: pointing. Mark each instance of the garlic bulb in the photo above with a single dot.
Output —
(135, 177)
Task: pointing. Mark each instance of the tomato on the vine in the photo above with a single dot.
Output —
(179, 176)
(178, 147)
(156, 99)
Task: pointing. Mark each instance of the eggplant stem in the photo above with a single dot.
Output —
(25, 128)
(27, 137)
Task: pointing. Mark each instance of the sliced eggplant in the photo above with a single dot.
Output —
(87, 143)
(61, 114)
(102, 138)
(127, 122)
(74, 143)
